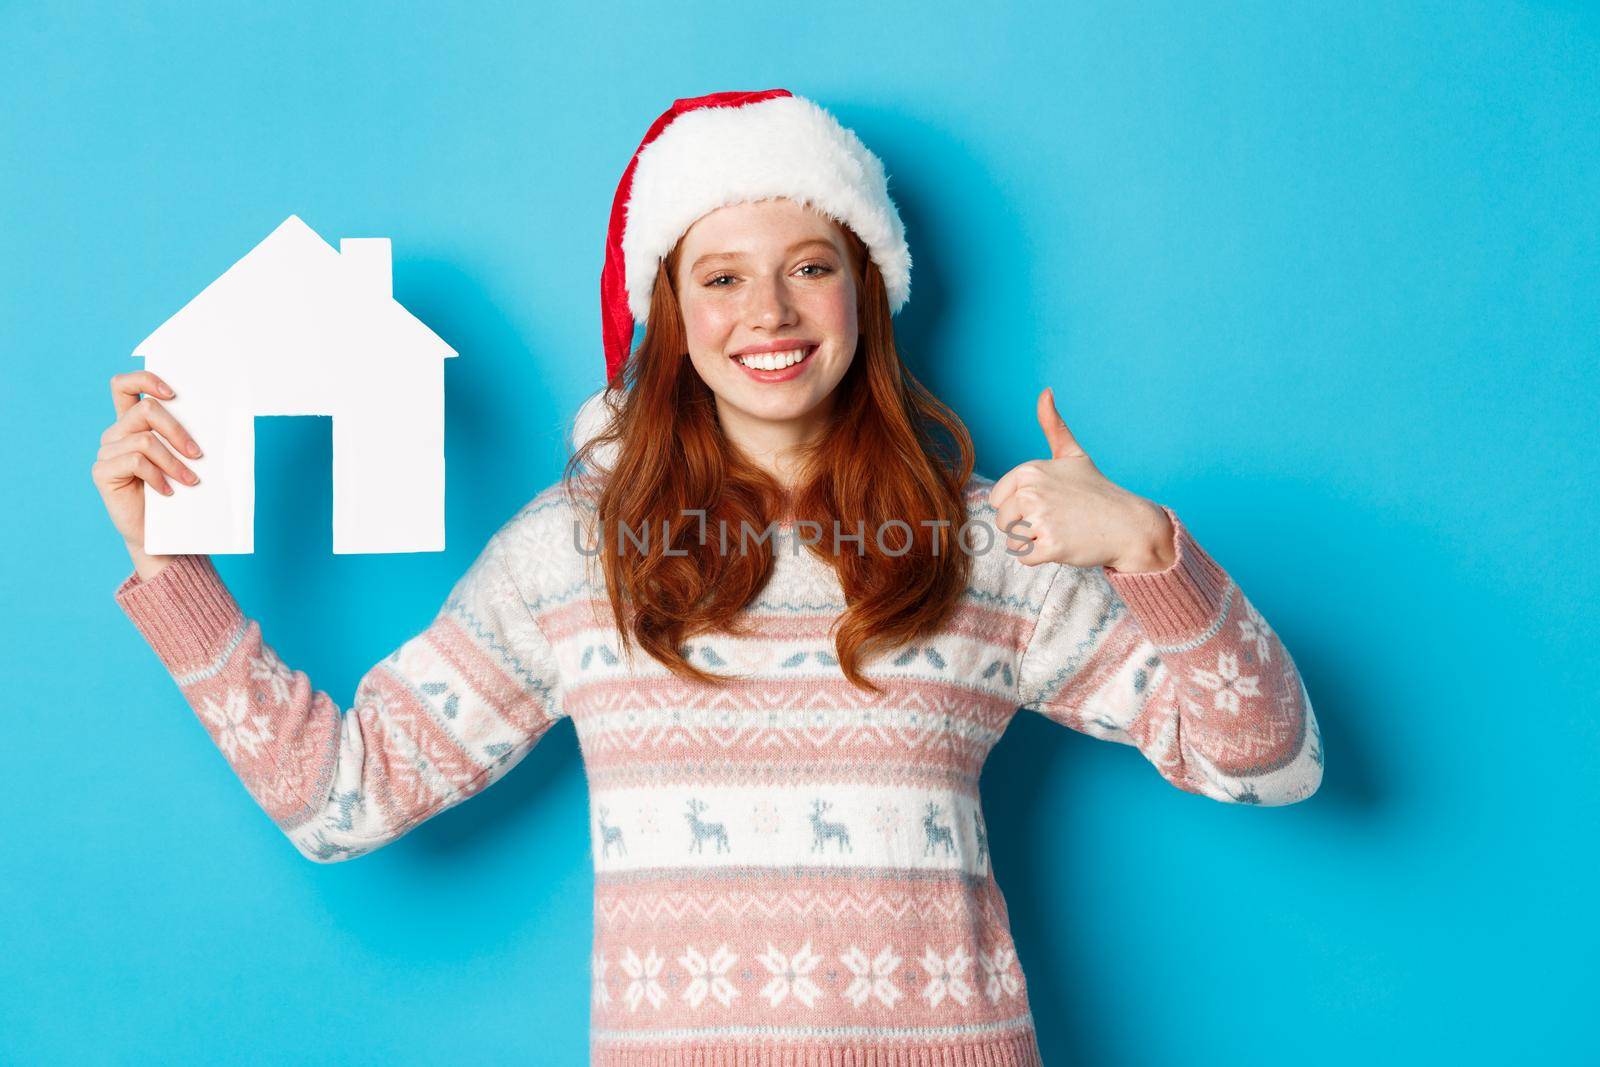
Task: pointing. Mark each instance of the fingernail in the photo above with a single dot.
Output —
(191, 477)
(194, 450)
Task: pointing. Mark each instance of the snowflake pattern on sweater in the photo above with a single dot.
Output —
(787, 869)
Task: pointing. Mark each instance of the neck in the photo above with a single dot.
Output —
(773, 446)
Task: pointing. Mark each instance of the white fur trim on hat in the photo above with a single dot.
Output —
(784, 146)
(594, 415)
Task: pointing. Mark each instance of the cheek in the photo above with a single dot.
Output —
(836, 313)
(706, 329)
(837, 306)
(706, 323)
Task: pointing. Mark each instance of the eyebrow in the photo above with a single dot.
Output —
(735, 255)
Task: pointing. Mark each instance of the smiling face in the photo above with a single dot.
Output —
(771, 280)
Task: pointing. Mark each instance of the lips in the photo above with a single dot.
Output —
(769, 370)
(775, 358)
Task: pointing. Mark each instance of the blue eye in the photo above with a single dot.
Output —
(711, 283)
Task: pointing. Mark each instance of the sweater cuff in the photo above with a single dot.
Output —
(185, 612)
(1179, 601)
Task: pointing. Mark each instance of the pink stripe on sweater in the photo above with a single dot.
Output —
(992, 624)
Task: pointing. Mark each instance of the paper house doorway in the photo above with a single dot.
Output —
(294, 485)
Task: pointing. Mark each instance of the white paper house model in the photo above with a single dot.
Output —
(296, 328)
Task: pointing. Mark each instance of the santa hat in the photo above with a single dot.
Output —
(707, 152)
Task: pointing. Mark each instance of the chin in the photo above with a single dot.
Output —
(775, 409)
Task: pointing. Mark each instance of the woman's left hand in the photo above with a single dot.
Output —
(1071, 513)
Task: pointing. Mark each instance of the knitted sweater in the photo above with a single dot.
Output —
(788, 870)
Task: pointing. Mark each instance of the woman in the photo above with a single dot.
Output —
(787, 620)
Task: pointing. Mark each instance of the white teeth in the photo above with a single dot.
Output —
(773, 360)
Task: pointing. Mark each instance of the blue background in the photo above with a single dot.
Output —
(1321, 277)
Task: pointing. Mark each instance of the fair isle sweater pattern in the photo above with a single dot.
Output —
(787, 869)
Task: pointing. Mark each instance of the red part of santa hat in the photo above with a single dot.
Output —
(707, 152)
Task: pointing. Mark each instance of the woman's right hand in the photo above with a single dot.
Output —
(131, 455)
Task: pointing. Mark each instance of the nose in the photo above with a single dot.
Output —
(771, 305)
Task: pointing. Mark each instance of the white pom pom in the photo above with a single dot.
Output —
(594, 415)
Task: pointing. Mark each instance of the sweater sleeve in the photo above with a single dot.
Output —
(439, 719)
(1181, 665)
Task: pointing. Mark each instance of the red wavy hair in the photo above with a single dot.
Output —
(892, 451)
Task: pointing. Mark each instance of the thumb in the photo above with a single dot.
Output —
(1061, 441)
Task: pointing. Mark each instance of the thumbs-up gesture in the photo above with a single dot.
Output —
(1063, 510)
